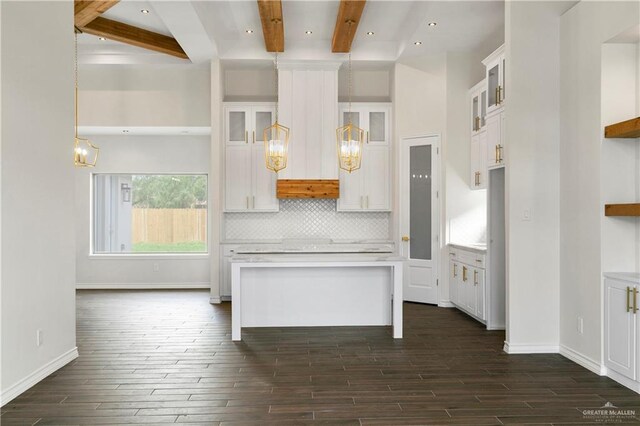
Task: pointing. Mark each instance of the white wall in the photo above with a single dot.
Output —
(37, 192)
(419, 96)
(532, 39)
(249, 84)
(583, 30)
(466, 219)
(367, 85)
(145, 95)
(139, 154)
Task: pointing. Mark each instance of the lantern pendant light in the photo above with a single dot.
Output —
(350, 140)
(85, 153)
(276, 138)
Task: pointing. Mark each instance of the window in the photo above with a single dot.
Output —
(149, 213)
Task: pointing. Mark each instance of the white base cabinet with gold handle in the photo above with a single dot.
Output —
(621, 327)
(467, 288)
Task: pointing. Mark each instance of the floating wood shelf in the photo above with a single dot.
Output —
(308, 188)
(622, 209)
(624, 129)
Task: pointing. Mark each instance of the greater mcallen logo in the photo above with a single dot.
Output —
(609, 413)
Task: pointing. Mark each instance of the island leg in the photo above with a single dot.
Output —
(397, 301)
(236, 303)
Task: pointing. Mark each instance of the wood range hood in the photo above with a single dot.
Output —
(308, 189)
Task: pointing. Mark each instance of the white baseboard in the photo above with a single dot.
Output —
(446, 304)
(215, 300)
(583, 360)
(142, 286)
(49, 368)
(624, 381)
(519, 348)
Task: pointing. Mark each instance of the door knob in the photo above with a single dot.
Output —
(405, 238)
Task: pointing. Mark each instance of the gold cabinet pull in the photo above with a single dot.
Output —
(497, 154)
(497, 95)
(635, 300)
(405, 238)
(464, 273)
(628, 299)
(254, 136)
(475, 277)
(367, 136)
(455, 270)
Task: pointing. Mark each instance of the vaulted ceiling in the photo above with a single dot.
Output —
(232, 29)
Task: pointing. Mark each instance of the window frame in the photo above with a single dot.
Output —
(146, 255)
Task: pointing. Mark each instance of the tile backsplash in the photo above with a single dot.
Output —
(307, 219)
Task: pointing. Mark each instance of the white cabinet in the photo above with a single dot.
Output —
(495, 140)
(248, 184)
(226, 253)
(495, 65)
(369, 188)
(621, 327)
(467, 282)
(454, 285)
(478, 104)
(479, 175)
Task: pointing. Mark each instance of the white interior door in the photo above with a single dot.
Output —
(419, 217)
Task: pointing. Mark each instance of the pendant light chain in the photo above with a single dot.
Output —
(350, 115)
(277, 86)
(75, 33)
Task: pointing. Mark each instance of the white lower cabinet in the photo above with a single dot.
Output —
(226, 253)
(621, 327)
(467, 282)
(495, 139)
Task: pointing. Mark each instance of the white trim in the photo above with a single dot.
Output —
(32, 379)
(446, 304)
(216, 300)
(150, 256)
(583, 360)
(309, 65)
(520, 348)
(141, 286)
(623, 380)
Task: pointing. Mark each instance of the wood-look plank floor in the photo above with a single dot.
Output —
(167, 357)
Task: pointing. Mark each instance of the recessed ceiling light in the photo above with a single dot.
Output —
(308, 32)
(249, 31)
(370, 33)
(125, 131)
(101, 38)
(432, 24)
(417, 43)
(145, 11)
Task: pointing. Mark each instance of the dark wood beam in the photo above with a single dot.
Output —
(135, 36)
(272, 24)
(86, 11)
(347, 22)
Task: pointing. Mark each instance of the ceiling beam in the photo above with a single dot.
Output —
(272, 24)
(85, 11)
(347, 22)
(124, 33)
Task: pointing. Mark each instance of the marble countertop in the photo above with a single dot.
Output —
(478, 248)
(633, 277)
(337, 258)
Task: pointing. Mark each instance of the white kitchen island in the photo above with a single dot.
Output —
(319, 289)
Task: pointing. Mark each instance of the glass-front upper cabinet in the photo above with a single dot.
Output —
(495, 75)
(478, 98)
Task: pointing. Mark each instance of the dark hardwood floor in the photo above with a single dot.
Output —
(167, 356)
